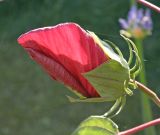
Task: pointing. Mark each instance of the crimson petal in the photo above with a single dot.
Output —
(68, 47)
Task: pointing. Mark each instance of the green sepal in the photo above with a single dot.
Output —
(108, 79)
(97, 125)
(96, 99)
(76, 93)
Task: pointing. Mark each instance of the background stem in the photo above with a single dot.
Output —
(133, 2)
(145, 103)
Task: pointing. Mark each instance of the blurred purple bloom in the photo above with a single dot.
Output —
(140, 15)
(132, 14)
(147, 21)
(138, 22)
(123, 23)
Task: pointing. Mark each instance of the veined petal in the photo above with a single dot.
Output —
(56, 71)
(70, 46)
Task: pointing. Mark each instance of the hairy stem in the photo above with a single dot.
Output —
(148, 92)
(150, 5)
(141, 127)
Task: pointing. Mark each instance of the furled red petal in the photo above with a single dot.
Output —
(57, 71)
(71, 47)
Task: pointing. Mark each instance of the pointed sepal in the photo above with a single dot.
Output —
(109, 79)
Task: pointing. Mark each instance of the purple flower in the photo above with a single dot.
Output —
(138, 23)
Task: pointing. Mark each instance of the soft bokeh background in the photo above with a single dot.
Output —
(33, 104)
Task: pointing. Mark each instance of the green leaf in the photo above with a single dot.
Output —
(97, 125)
(109, 79)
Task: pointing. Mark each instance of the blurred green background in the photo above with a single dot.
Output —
(31, 103)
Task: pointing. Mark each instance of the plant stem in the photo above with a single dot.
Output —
(141, 127)
(145, 103)
(148, 92)
(150, 5)
(133, 2)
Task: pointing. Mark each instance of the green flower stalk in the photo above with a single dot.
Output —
(138, 26)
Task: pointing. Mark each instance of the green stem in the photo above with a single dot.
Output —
(133, 2)
(145, 103)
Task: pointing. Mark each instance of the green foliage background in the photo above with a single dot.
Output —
(33, 104)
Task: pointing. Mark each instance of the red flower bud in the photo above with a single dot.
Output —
(65, 51)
